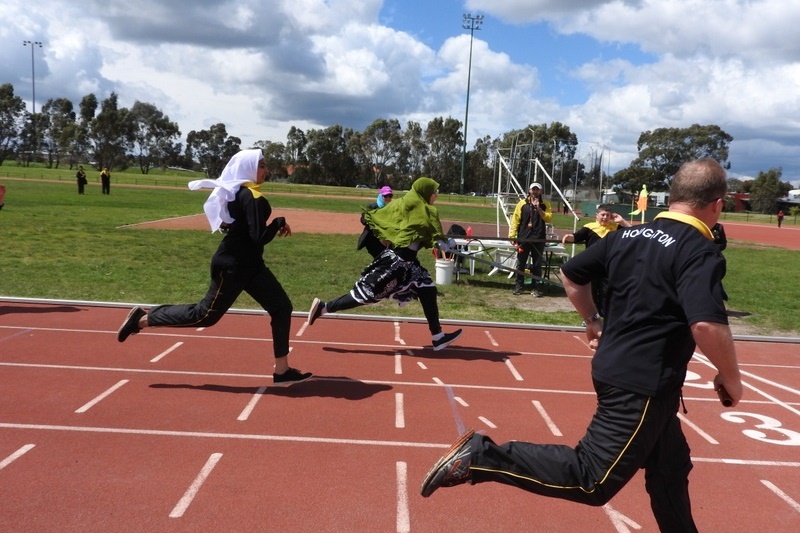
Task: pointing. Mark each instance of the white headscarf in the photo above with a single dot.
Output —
(242, 167)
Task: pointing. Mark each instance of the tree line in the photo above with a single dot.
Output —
(103, 134)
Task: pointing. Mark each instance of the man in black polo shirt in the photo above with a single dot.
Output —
(664, 299)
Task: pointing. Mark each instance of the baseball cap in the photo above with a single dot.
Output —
(535, 184)
(386, 190)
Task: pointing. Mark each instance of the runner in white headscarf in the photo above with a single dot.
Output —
(238, 209)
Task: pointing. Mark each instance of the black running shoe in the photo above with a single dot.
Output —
(130, 326)
(315, 312)
(446, 339)
(453, 468)
(290, 377)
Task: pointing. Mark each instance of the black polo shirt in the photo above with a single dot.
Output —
(662, 277)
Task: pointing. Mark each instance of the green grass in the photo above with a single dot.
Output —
(57, 244)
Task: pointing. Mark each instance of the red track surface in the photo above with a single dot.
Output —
(172, 430)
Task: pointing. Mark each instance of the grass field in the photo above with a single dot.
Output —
(57, 244)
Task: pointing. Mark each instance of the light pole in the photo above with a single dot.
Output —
(33, 45)
(469, 23)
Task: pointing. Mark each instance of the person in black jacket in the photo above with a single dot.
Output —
(238, 209)
(529, 229)
(665, 300)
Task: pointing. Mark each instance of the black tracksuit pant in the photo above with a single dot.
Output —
(226, 285)
(629, 431)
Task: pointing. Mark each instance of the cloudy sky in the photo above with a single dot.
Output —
(608, 69)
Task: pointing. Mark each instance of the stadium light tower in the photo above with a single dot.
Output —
(33, 45)
(469, 23)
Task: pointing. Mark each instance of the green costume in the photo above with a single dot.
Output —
(408, 219)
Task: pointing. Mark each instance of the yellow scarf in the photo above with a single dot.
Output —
(689, 219)
(255, 188)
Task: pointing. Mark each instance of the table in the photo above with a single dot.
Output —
(504, 254)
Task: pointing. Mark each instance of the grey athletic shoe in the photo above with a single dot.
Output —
(317, 306)
(130, 326)
(452, 469)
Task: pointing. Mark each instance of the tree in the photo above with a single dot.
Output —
(765, 191)
(109, 133)
(414, 153)
(443, 163)
(12, 108)
(212, 148)
(151, 133)
(382, 146)
(58, 129)
(274, 157)
(328, 160)
(664, 150)
(481, 172)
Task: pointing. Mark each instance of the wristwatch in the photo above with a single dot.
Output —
(594, 318)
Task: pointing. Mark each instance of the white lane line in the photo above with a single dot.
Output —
(547, 420)
(403, 518)
(491, 339)
(782, 495)
(398, 363)
(513, 370)
(703, 359)
(166, 352)
(100, 398)
(697, 429)
(319, 440)
(302, 329)
(422, 365)
(397, 337)
(487, 422)
(399, 411)
(235, 436)
(581, 340)
(16, 455)
(191, 492)
(438, 381)
(620, 522)
(245, 414)
(461, 401)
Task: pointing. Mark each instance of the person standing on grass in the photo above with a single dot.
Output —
(665, 299)
(80, 176)
(238, 209)
(407, 225)
(529, 225)
(780, 218)
(105, 181)
(2, 195)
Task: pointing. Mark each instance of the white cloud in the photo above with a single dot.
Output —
(261, 66)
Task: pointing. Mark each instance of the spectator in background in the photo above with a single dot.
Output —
(105, 180)
(367, 239)
(780, 218)
(529, 229)
(80, 176)
(2, 195)
(605, 221)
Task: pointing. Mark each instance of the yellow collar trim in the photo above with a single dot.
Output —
(689, 219)
(255, 188)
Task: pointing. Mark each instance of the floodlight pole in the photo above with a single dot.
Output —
(469, 23)
(33, 45)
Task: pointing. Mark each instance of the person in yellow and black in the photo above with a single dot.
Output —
(529, 228)
(105, 180)
(605, 221)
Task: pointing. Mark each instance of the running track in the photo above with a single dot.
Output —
(180, 430)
